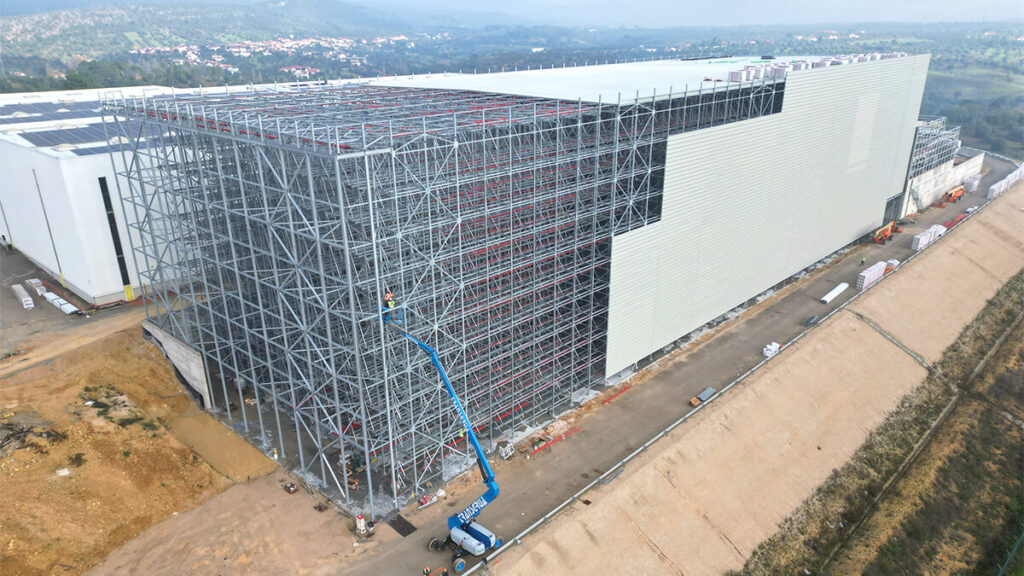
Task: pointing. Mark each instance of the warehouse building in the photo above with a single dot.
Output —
(58, 200)
(544, 230)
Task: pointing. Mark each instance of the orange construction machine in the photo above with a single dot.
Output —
(884, 234)
(950, 197)
(954, 195)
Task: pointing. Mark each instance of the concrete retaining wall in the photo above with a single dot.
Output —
(934, 183)
(186, 360)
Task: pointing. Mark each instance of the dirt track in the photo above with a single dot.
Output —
(249, 528)
(46, 347)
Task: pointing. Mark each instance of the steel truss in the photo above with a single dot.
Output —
(268, 224)
(934, 145)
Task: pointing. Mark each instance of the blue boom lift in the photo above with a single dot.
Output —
(464, 533)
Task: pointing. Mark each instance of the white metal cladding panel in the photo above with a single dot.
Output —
(748, 204)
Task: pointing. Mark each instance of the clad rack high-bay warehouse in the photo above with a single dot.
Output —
(541, 231)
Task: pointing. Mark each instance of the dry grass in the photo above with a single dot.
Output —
(809, 535)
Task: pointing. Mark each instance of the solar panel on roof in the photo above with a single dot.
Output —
(52, 116)
(91, 133)
(82, 135)
(47, 107)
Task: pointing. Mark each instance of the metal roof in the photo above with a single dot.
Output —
(103, 149)
(604, 82)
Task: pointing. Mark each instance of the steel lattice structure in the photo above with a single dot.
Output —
(934, 145)
(269, 222)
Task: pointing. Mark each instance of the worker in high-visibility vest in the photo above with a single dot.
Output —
(389, 305)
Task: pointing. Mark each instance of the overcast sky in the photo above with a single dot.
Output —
(670, 13)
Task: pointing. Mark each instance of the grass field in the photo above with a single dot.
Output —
(980, 84)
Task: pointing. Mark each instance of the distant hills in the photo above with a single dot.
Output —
(21, 7)
(70, 35)
(68, 31)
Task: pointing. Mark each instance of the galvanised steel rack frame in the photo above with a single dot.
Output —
(269, 222)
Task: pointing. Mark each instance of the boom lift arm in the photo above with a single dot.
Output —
(462, 527)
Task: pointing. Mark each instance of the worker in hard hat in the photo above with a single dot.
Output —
(389, 305)
(426, 571)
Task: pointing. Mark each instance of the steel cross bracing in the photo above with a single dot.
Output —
(269, 223)
(934, 145)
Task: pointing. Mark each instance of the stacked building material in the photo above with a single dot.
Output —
(37, 285)
(971, 183)
(919, 241)
(927, 237)
(22, 295)
(871, 275)
(833, 293)
(61, 304)
(771, 349)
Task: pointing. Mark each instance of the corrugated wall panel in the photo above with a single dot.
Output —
(747, 205)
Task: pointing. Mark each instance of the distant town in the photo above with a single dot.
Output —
(350, 51)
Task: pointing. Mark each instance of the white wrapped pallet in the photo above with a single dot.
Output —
(893, 262)
(971, 183)
(58, 302)
(37, 285)
(22, 295)
(833, 293)
(871, 275)
(69, 308)
(50, 297)
(920, 241)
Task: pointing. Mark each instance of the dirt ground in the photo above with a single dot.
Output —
(45, 346)
(952, 281)
(249, 528)
(77, 480)
(707, 495)
(926, 508)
